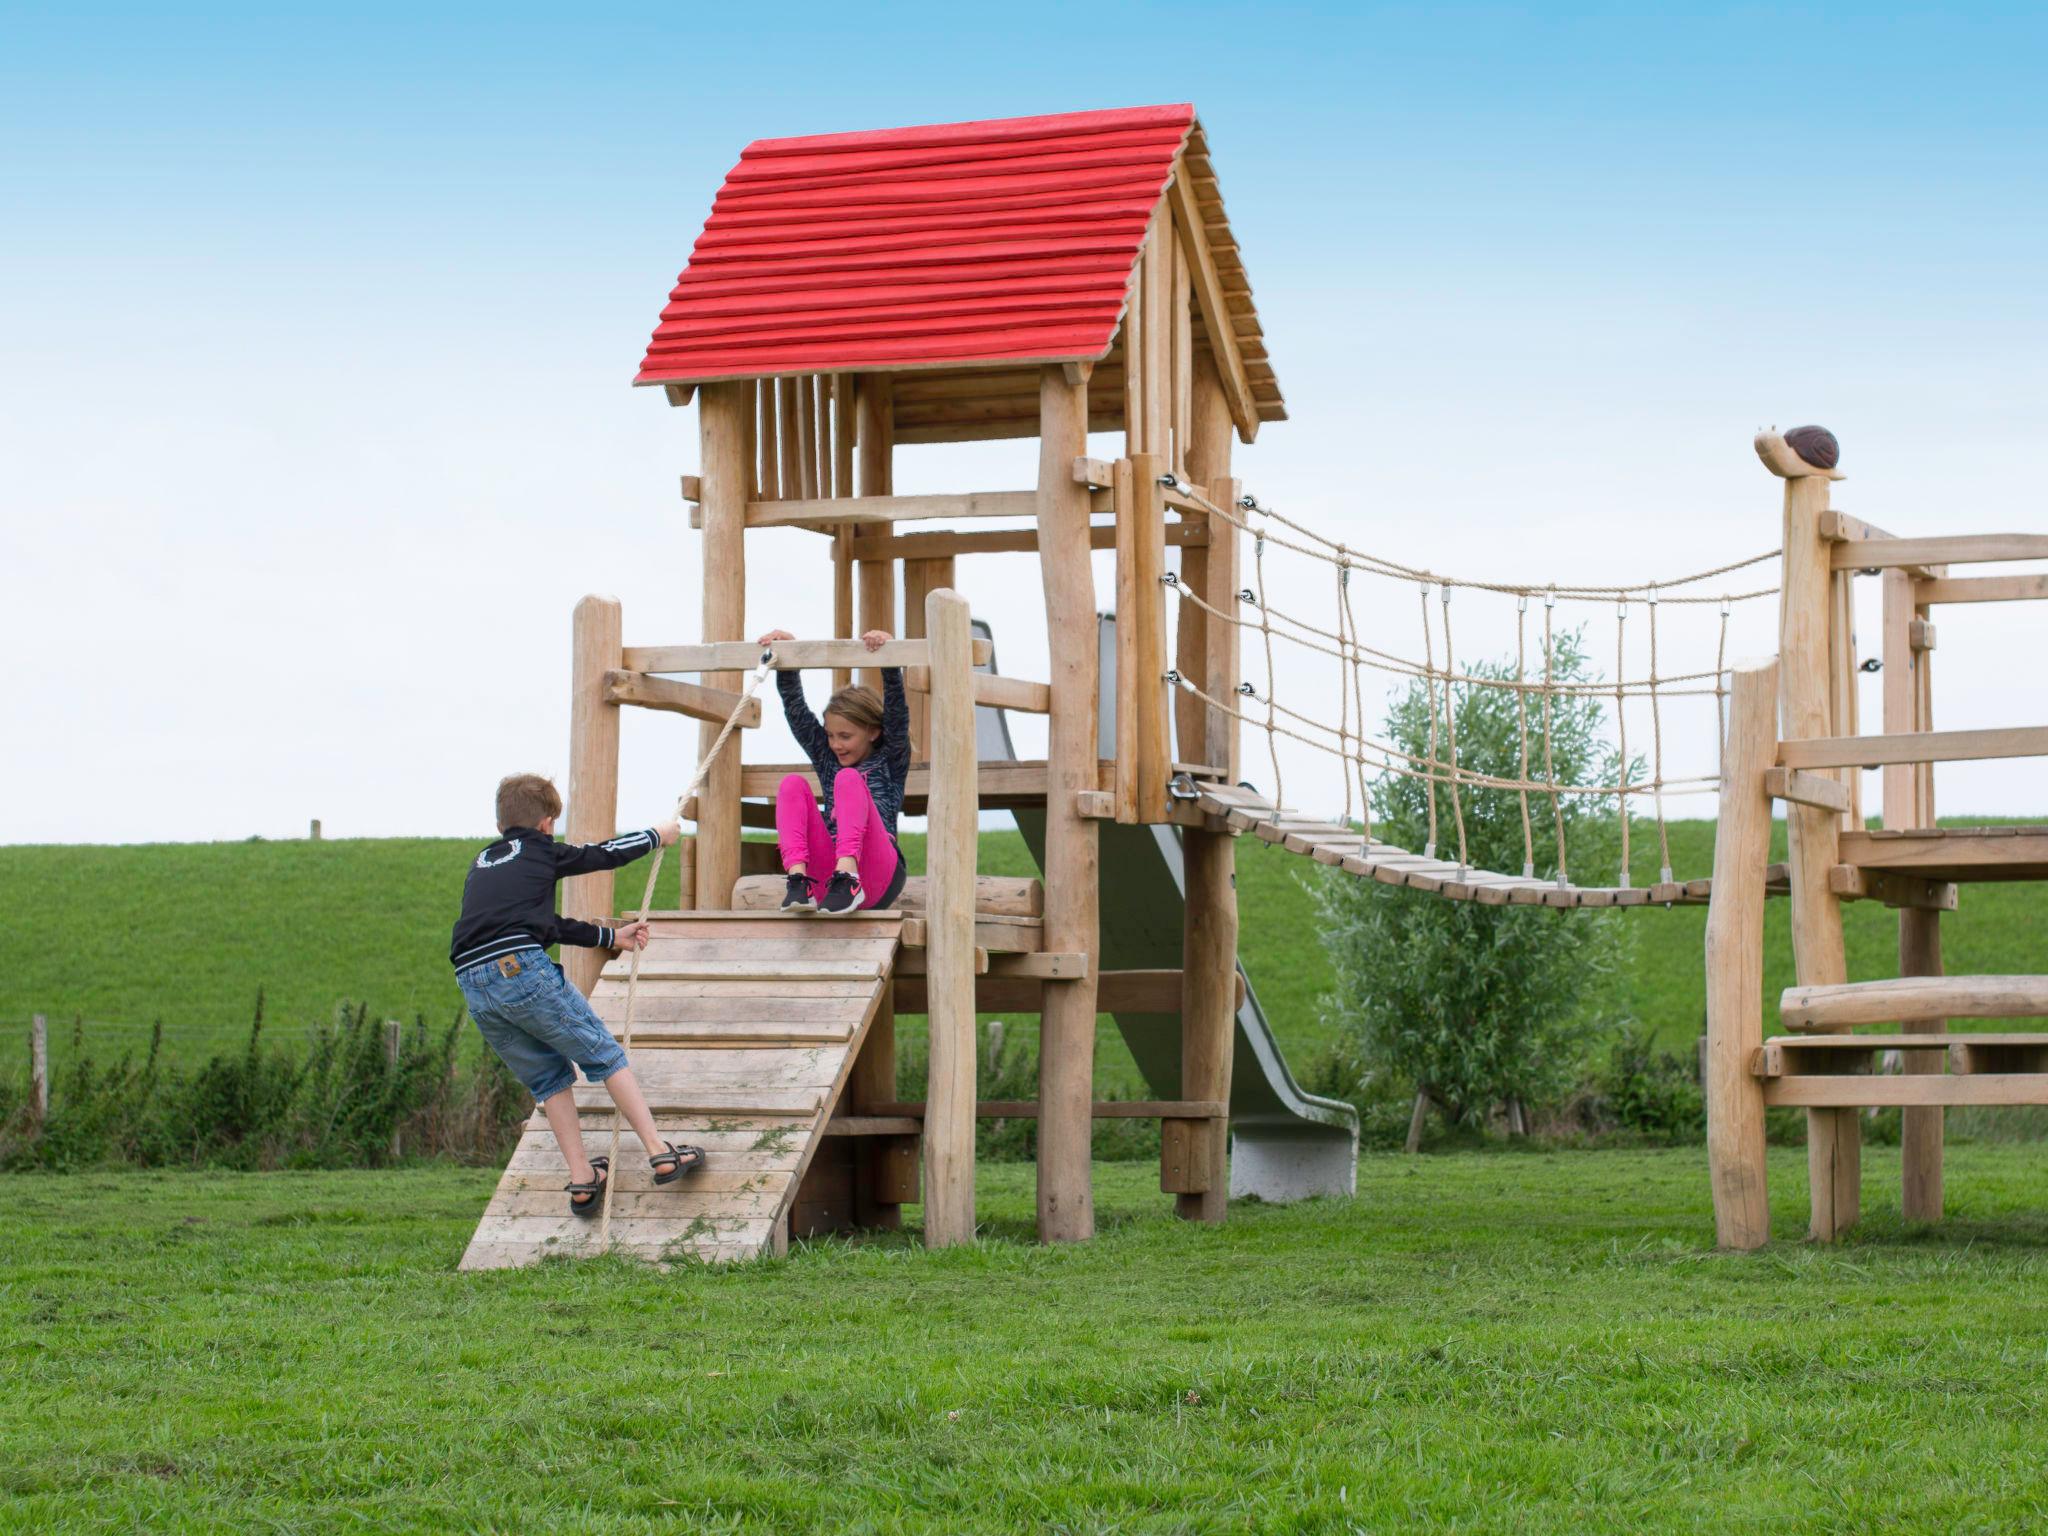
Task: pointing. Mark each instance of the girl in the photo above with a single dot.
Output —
(861, 753)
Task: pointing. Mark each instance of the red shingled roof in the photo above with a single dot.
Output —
(958, 243)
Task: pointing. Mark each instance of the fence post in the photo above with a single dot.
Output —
(39, 1068)
(392, 1030)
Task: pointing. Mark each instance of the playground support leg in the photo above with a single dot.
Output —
(949, 921)
(724, 412)
(1735, 963)
(1920, 1127)
(875, 472)
(873, 1081)
(1208, 1021)
(1066, 1057)
(593, 791)
(1834, 1137)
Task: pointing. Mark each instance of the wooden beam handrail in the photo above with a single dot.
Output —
(992, 689)
(1951, 549)
(1914, 747)
(1980, 589)
(944, 543)
(790, 655)
(1806, 789)
(1915, 1000)
(643, 691)
(831, 511)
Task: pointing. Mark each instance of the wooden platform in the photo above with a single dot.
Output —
(1243, 810)
(1831, 1071)
(745, 1026)
(1953, 853)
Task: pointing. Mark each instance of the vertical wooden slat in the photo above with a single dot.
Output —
(842, 537)
(1183, 393)
(874, 400)
(1225, 664)
(768, 475)
(593, 792)
(788, 447)
(807, 436)
(949, 924)
(721, 414)
(1921, 1128)
(1066, 1050)
(1735, 962)
(1156, 293)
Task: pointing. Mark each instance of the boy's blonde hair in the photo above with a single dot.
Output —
(859, 705)
(526, 800)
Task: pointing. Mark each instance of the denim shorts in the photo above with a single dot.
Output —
(537, 1023)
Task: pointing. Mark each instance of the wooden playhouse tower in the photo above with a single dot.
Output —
(852, 295)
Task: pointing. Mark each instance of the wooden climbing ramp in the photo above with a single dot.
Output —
(745, 1027)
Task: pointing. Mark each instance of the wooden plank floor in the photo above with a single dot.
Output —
(744, 1030)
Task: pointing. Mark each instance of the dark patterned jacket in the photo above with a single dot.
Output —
(886, 768)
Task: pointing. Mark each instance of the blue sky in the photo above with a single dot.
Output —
(314, 420)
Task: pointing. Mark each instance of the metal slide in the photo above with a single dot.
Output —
(1285, 1144)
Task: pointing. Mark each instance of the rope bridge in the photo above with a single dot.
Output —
(1446, 778)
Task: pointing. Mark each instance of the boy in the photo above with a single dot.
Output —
(523, 1006)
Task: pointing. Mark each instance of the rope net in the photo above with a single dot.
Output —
(1444, 693)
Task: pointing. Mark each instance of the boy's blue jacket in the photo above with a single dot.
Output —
(508, 901)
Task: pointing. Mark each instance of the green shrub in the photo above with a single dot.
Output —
(1480, 1004)
(1655, 1094)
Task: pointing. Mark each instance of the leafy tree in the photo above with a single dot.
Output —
(1480, 1004)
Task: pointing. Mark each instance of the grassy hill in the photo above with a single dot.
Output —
(186, 933)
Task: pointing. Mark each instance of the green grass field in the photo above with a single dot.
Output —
(187, 932)
(1480, 1343)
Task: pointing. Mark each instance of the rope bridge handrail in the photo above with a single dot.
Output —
(1439, 765)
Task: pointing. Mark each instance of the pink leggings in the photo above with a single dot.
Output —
(800, 829)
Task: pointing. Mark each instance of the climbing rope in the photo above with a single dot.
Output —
(754, 682)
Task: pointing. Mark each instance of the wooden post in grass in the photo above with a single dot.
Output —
(1735, 962)
(593, 789)
(724, 411)
(954, 819)
(39, 1069)
(1920, 1126)
(1834, 1137)
(1066, 1049)
(393, 1031)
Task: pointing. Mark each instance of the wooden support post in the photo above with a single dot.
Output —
(394, 1035)
(921, 578)
(874, 451)
(593, 790)
(1208, 464)
(1149, 707)
(872, 1082)
(1208, 1020)
(953, 824)
(39, 1069)
(1225, 664)
(1735, 962)
(1066, 1050)
(722, 410)
(1834, 1137)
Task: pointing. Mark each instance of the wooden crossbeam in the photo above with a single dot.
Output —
(1806, 789)
(1951, 549)
(1980, 589)
(1102, 1109)
(677, 697)
(790, 656)
(1914, 747)
(830, 511)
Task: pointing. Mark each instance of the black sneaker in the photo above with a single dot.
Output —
(843, 896)
(799, 897)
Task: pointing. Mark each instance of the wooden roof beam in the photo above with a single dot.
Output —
(1216, 315)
